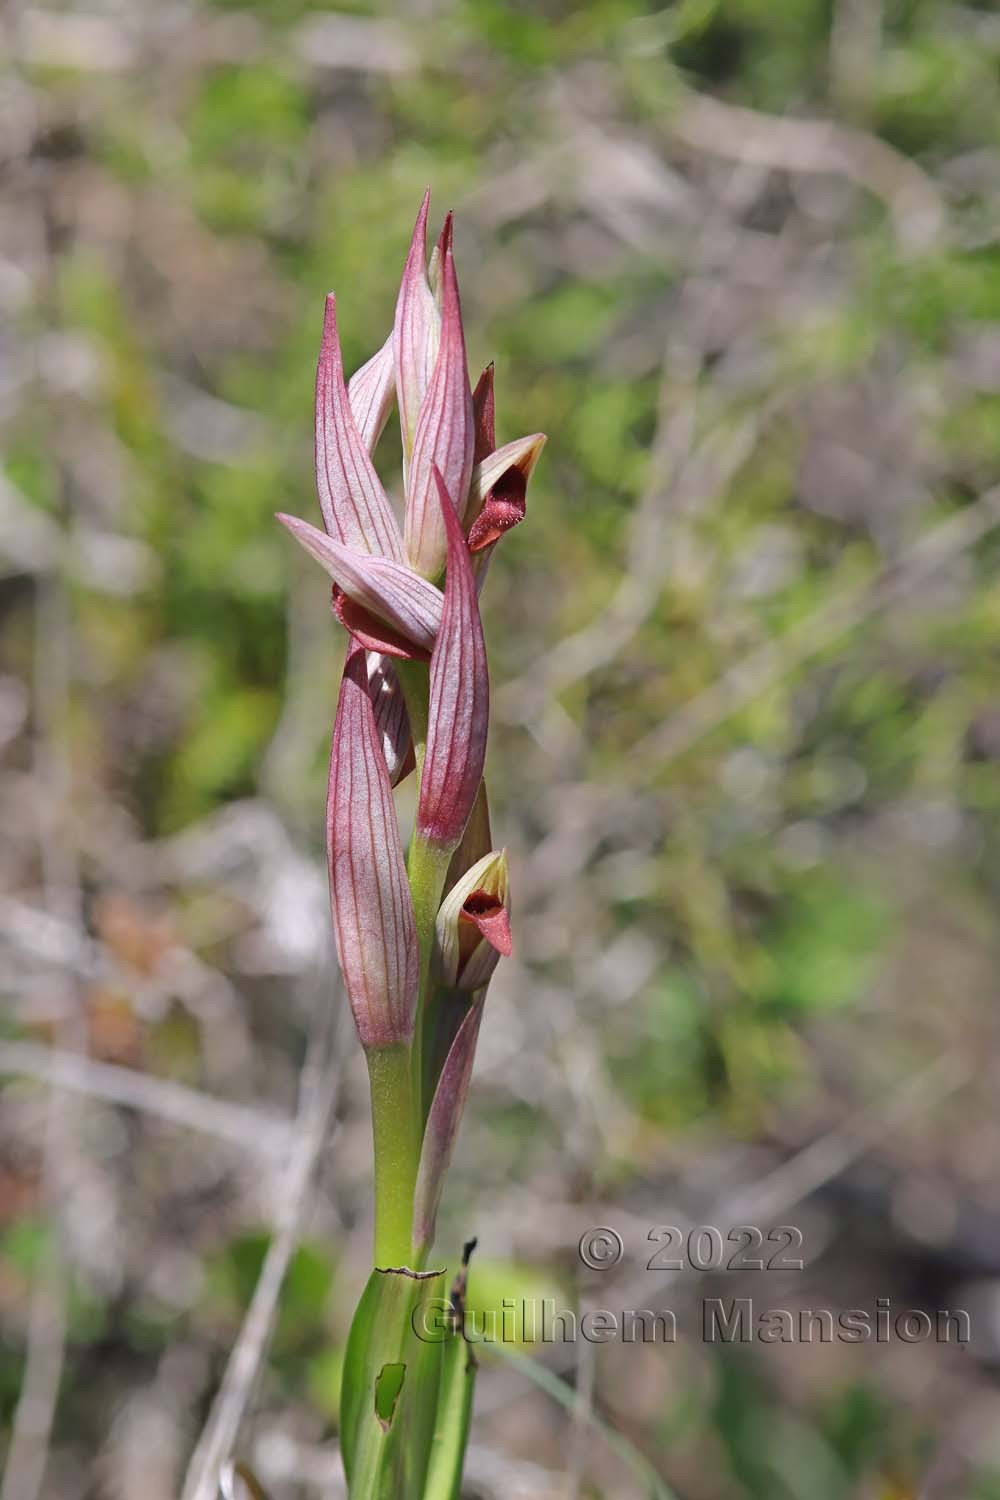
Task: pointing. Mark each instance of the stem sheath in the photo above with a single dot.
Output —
(397, 1152)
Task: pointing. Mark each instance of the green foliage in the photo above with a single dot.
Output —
(24, 1245)
(246, 127)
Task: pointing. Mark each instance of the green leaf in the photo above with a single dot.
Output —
(421, 1414)
(391, 1380)
(454, 1414)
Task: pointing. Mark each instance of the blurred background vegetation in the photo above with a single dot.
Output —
(741, 262)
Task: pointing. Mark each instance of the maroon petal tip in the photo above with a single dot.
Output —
(484, 415)
(374, 634)
(447, 235)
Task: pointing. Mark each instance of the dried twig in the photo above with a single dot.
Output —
(817, 146)
(248, 1129)
(318, 1096)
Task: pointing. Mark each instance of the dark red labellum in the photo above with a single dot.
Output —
(503, 508)
(490, 917)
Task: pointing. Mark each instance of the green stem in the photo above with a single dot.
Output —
(414, 679)
(426, 868)
(397, 1152)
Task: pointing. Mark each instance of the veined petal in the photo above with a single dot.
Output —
(444, 438)
(416, 332)
(389, 589)
(392, 722)
(369, 894)
(473, 924)
(370, 391)
(356, 509)
(484, 416)
(442, 1123)
(459, 708)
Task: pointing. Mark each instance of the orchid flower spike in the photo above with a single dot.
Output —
(419, 936)
(386, 575)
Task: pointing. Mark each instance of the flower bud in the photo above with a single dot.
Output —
(473, 924)
(369, 895)
(444, 437)
(415, 333)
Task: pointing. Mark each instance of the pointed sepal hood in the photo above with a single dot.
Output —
(444, 437)
(484, 416)
(458, 718)
(416, 332)
(355, 507)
